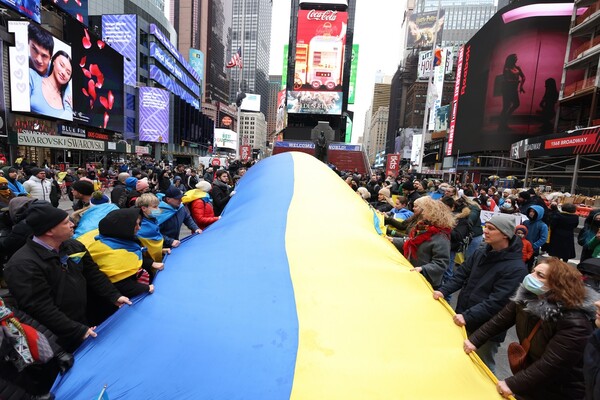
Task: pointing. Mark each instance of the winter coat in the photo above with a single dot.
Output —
(586, 234)
(591, 367)
(37, 188)
(486, 282)
(554, 363)
(403, 214)
(432, 256)
(461, 231)
(118, 195)
(527, 250)
(171, 228)
(220, 194)
(411, 200)
(562, 227)
(382, 206)
(475, 220)
(54, 293)
(537, 230)
(202, 213)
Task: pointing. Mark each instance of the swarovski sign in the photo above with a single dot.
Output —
(59, 142)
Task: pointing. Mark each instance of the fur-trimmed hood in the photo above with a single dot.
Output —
(550, 311)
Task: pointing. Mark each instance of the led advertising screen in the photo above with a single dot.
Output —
(40, 72)
(281, 118)
(251, 102)
(120, 32)
(29, 8)
(77, 8)
(154, 115)
(197, 63)
(97, 80)
(509, 79)
(320, 44)
(353, 72)
(312, 102)
(422, 27)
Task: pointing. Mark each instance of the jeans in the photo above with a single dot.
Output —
(474, 245)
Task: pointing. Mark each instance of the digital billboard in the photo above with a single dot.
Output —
(40, 68)
(320, 44)
(422, 27)
(29, 8)
(97, 80)
(509, 82)
(281, 118)
(312, 102)
(251, 102)
(120, 32)
(197, 63)
(353, 72)
(154, 115)
(77, 8)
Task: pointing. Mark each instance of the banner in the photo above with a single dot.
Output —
(245, 153)
(437, 88)
(452, 127)
(59, 142)
(392, 166)
(425, 64)
(310, 102)
(580, 141)
(422, 27)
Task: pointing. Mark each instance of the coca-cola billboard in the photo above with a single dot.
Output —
(332, 2)
(320, 48)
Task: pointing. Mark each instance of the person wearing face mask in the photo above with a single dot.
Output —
(5, 194)
(521, 231)
(149, 234)
(509, 206)
(554, 299)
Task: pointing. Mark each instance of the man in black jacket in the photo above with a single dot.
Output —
(487, 280)
(221, 191)
(118, 195)
(50, 275)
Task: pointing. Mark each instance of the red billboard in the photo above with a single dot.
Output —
(392, 167)
(320, 46)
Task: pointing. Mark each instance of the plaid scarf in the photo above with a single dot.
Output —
(28, 345)
(420, 234)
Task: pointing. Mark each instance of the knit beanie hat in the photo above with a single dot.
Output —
(521, 228)
(99, 198)
(131, 182)
(504, 223)
(44, 217)
(205, 186)
(84, 187)
(142, 184)
(385, 192)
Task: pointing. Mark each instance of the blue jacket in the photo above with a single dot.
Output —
(402, 214)
(538, 230)
(171, 227)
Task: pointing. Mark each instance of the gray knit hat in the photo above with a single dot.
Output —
(504, 223)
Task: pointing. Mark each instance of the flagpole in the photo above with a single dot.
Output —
(429, 84)
(102, 392)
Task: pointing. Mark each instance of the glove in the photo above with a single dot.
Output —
(65, 361)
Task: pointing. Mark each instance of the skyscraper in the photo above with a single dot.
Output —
(254, 18)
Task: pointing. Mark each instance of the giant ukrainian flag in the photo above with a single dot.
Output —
(291, 295)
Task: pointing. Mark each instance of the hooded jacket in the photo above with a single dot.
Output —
(486, 281)
(538, 230)
(553, 367)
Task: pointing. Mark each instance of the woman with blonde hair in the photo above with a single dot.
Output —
(427, 245)
(553, 306)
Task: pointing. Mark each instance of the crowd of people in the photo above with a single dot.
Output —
(63, 274)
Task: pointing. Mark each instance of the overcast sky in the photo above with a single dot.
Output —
(377, 30)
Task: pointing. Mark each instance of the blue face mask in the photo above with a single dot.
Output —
(156, 212)
(534, 285)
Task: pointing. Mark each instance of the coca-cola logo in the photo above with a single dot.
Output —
(321, 15)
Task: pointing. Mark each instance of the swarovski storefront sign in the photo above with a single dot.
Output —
(59, 142)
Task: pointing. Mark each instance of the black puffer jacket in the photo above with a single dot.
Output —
(487, 279)
(591, 367)
(554, 364)
(54, 293)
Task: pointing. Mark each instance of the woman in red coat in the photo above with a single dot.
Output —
(200, 205)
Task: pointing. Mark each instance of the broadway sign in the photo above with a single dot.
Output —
(580, 141)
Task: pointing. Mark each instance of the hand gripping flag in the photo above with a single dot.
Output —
(236, 59)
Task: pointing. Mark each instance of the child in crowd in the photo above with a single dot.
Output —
(400, 211)
(521, 231)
